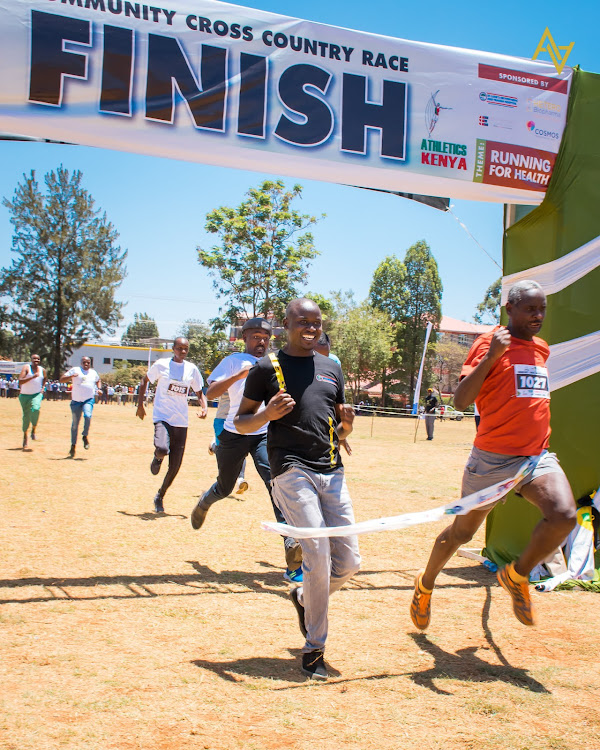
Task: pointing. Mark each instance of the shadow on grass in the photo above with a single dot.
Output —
(151, 515)
(267, 667)
(68, 458)
(202, 582)
(466, 666)
(199, 583)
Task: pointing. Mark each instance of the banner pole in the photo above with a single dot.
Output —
(415, 407)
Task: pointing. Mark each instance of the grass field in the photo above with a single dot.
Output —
(122, 629)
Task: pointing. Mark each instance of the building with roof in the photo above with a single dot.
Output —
(460, 332)
(104, 355)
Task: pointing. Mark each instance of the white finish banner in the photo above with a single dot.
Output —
(465, 505)
(574, 360)
(225, 85)
(560, 273)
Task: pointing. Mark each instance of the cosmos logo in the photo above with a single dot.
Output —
(531, 125)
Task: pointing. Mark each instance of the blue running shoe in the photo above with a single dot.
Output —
(293, 576)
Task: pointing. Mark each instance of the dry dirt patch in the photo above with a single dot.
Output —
(122, 629)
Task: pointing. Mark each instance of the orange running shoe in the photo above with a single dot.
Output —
(420, 607)
(522, 605)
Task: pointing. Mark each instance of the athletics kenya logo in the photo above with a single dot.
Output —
(326, 379)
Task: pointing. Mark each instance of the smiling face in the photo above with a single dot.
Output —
(35, 361)
(257, 341)
(303, 324)
(527, 315)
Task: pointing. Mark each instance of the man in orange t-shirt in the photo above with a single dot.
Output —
(505, 374)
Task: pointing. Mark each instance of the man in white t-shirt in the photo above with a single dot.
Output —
(83, 394)
(233, 448)
(174, 379)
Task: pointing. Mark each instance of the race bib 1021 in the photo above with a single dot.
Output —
(531, 381)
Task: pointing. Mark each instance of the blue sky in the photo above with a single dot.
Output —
(158, 206)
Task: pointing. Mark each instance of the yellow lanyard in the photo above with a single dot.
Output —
(278, 371)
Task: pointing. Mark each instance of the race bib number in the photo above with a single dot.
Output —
(177, 388)
(531, 381)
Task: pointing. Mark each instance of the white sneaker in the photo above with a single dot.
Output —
(241, 486)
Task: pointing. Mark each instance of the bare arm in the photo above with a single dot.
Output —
(65, 378)
(248, 420)
(218, 387)
(140, 411)
(203, 405)
(469, 387)
(345, 414)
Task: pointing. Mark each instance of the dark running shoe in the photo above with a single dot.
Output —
(72, 452)
(313, 665)
(299, 610)
(155, 465)
(86, 443)
(33, 437)
(199, 514)
(158, 504)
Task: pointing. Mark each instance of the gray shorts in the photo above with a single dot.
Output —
(484, 469)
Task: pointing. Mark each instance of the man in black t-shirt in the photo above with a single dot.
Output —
(304, 396)
(431, 403)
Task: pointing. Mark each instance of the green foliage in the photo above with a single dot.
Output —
(388, 291)
(327, 307)
(488, 311)
(67, 267)
(125, 373)
(263, 253)
(423, 304)
(143, 327)
(11, 346)
(208, 345)
(363, 339)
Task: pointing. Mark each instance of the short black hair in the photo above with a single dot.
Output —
(324, 340)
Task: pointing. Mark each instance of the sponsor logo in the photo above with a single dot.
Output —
(433, 109)
(558, 54)
(520, 78)
(443, 154)
(512, 166)
(488, 121)
(542, 132)
(543, 108)
(326, 379)
(500, 100)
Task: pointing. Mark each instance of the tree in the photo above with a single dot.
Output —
(364, 338)
(143, 327)
(208, 345)
(389, 294)
(489, 309)
(449, 359)
(264, 251)
(423, 304)
(11, 346)
(125, 373)
(68, 267)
